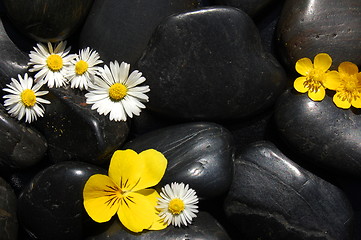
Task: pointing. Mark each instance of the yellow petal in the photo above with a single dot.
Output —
(356, 102)
(158, 223)
(126, 168)
(100, 200)
(304, 66)
(348, 68)
(322, 62)
(137, 210)
(317, 96)
(298, 85)
(332, 80)
(340, 102)
(155, 165)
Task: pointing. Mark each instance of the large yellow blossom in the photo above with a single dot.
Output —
(314, 75)
(347, 86)
(125, 191)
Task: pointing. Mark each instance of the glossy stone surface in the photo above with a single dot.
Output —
(251, 7)
(209, 64)
(271, 197)
(309, 27)
(20, 145)
(75, 132)
(51, 207)
(203, 227)
(120, 29)
(200, 154)
(327, 135)
(8, 219)
(13, 61)
(48, 20)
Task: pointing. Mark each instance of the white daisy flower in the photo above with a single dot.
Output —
(117, 93)
(83, 68)
(24, 99)
(51, 64)
(178, 204)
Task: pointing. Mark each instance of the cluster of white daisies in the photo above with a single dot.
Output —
(111, 90)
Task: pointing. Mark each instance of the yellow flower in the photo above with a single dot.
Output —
(347, 86)
(314, 75)
(125, 191)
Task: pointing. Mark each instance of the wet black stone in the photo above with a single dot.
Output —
(209, 64)
(20, 145)
(120, 29)
(309, 27)
(75, 132)
(13, 61)
(271, 197)
(8, 219)
(51, 207)
(327, 135)
(251, 7)
(200, 154)
(48, 20)
(203, 227)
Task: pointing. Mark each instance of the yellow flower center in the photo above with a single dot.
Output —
(81, 67)
(117, 91)
(176, 206)
(28, 97)
(351, 84)
(54, 62)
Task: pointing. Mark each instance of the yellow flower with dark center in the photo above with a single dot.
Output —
(347, 86)
(125, 191)
(314, 75)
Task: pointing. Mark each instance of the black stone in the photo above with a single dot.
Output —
(309, 27)
(48, 20)
(120, 29)
(75, 132)
(254, 8)
(271, 197)
(51, 207)
(20, 145)
(327, 135)
(209, 64)
(8, 219)
(203, 227)
(200, 154)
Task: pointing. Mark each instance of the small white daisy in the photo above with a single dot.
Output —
(117, 93)
(51, 64)
(83, 69)
(178, 204)
(24, 99)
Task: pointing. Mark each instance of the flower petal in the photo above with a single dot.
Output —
(99, 202)
(356, 102)
(126, 168)
(317, 96)
(298, 85)
(332, 80)
(154, 168)
(322, 62)
(137, 211)
(304, 66)
(340, 101)
(348, 68)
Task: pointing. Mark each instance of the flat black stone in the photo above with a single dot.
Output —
(327, 135)
(203, 227)
(120, 29)
(199, 154)
(309, 27)
(51, 206)
(271, 197)
(20, 145)
(48, 20)
(209, 64)
(74, 132)
(8, 218)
